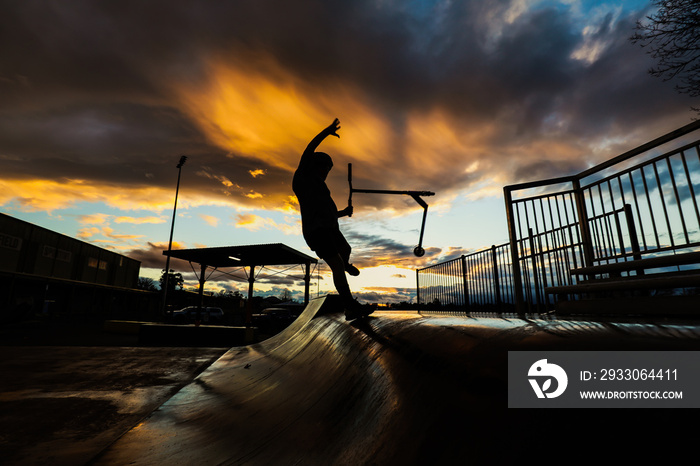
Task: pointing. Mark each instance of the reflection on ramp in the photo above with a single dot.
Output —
(396, 388)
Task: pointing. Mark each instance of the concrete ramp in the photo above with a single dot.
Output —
(397, 388)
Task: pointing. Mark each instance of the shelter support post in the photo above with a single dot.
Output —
(307, 282)
(202, 279)
(249, 306)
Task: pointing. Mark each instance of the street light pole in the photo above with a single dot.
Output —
(172, 228)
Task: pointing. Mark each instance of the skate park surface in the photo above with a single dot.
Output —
(394, 388)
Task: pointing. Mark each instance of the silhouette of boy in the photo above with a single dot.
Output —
(319, 217)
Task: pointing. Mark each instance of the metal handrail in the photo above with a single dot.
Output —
(600, 201)
(644, 210)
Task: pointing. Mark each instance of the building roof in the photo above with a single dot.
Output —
(243, 256)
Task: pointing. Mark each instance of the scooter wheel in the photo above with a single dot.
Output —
(419, 251)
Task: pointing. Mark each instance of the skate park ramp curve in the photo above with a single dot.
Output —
(394, 388)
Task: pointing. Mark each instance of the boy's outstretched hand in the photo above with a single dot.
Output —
(334, 127)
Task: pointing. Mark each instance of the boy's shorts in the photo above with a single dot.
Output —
(328, 242)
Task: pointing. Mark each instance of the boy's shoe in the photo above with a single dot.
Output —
(351, 314)
(352, 270)
(357, 311)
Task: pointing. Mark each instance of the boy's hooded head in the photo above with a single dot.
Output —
(322, 162)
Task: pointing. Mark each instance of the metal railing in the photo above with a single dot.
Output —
(443, 285)
(642, 203)
(478, 281)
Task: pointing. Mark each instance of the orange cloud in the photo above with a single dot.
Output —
(100, 219)
(436, 144)
(259, 109)
(94, 219)
(85, 233)
(209, 219)
(254, 222)
(266, 113)
(262, 111)
(48, 195)
(249, 112)
(251, 222)
(105, 231)
(109, 233)
(221, 179)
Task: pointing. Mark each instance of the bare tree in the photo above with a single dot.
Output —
(672, 36)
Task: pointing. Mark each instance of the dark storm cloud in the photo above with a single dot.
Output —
(374, 250)
(83, 88)
(123, 49)
(86, 92)
(99, 141)
(387, 295)
(542, 170)
(151, 257)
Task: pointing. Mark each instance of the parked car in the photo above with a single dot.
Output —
(273, 319)
(209, 315)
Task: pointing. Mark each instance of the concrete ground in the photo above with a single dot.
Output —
(67, 391)
(397, 388)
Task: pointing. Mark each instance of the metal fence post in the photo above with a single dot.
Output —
(496, 280)
(534, 266)
(634, 240)
(583, 224)
(464, 283)
(418, 289)
(515, 259)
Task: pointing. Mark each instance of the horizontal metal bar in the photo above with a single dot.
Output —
(384, 191)
(544, 196)
(537, 184)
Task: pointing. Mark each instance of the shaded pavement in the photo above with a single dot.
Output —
(398, 388)
(61, 404)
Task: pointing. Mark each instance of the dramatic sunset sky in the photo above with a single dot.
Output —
(99, 99)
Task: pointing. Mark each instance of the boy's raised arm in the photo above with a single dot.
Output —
(332, 129)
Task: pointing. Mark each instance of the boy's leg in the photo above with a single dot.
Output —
(353, 309)
(344, 249)
(337, 265)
